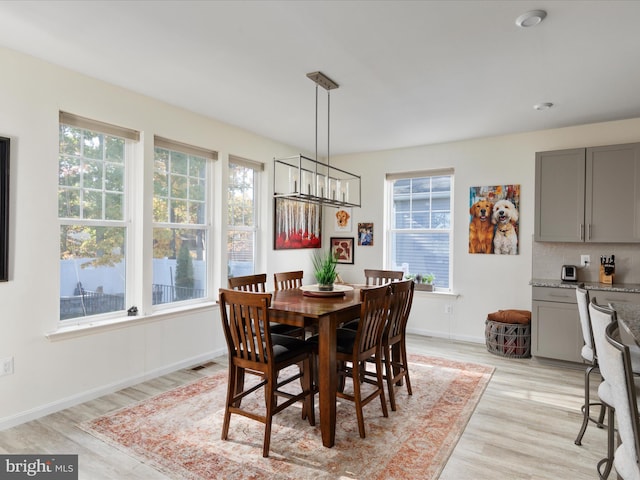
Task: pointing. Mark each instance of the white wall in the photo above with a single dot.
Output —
(50, 375)
(482, 283)
(54, 374)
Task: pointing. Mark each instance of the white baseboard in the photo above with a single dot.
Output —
(448, 336)
(47, 409)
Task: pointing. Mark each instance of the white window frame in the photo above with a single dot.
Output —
(132, 138)
(257, 168)
(211, 157)
(389, 220)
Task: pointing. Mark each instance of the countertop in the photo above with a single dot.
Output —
(616, 287)
(629, 315)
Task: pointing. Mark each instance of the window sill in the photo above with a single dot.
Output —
(92, 328)
(435, 293)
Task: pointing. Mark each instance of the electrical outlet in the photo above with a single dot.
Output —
(448, 308)
(6, 366)
(585, 260)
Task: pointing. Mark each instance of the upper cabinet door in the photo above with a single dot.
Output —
(560, 193)
(612, 200)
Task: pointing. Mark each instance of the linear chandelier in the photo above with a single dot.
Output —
(313, 180)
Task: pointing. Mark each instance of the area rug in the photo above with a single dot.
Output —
(178, 432)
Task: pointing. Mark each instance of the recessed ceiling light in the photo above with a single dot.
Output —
(543, 106)
(530, 19)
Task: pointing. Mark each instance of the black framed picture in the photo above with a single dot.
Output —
(4, 209)
(342, 249)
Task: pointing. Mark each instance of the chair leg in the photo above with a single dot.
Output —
(608, 460)
(405, 365)
(586, 406)
(358, 397)
(231, 391)
(270, 396)
(380, 385)
(389, 374)
(307, 384)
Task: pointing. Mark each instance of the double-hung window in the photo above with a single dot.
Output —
(180, 221)
(242, 231)
(92, 211)
(420, 224)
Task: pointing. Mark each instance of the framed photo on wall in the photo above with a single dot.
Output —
(365, 234)
(296, 225)
(342, 249)
(4, 209)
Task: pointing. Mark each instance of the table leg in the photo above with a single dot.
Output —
(327, 378)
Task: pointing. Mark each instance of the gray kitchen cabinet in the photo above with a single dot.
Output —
(555, 325)
(588, 195)
(555, 322)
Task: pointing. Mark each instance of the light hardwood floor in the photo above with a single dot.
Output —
(523, 428)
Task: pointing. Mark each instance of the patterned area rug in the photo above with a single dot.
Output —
(178, 432)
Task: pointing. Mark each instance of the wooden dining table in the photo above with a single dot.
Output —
(292, 307)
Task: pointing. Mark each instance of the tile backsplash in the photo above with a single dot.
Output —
(548, 258)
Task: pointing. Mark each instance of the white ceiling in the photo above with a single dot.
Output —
(410, 72)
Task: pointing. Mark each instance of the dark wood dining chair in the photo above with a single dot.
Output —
(288, 280)
(394, 345)
(381, 277)
(355, 347)
(252, 348)
(258, 284)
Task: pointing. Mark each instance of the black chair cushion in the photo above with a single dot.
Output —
(345, 338)
(352, 325)
(282, 329)
(285, 346)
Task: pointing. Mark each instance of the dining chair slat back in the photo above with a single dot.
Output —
(382, 277)
(257, 284)
(249, 283)
(288, 280)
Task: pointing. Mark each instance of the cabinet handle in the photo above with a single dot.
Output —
(589, 231)
(581, 231)
(558, 296)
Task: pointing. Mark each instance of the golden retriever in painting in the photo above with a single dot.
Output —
(342, 218)
(480, 227)
(505, 217)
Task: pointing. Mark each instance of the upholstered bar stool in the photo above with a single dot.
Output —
(589, 355)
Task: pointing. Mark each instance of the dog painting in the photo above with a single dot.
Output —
(480, 227)
(494, 219)
(505, 218)
(343, 220)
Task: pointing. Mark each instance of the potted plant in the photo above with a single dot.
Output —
(324, 266)
(423, 282)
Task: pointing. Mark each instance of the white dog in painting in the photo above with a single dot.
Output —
(505, 218)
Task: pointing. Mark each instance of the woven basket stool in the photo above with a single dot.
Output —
(511, 340)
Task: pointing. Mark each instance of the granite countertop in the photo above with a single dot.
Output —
(629, 315)
(616, 287)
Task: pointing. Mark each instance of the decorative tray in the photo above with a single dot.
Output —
(314, 290)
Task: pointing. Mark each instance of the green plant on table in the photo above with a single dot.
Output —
(324, 266)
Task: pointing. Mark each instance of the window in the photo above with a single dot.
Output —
(180, 221)
(420, 224)
(242, 230)
(92, 211)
